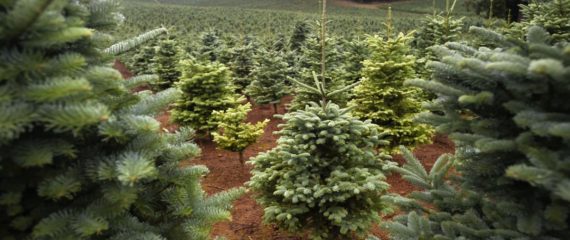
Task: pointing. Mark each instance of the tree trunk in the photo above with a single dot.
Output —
(275, 108)
(241, 158)
(210, 137)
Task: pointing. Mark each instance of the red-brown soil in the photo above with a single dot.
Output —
(122, 69)
(226, 172)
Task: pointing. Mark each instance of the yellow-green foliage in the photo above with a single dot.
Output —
(382, 96)
(234, 133)
(206, 87)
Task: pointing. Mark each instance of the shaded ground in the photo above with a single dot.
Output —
(226, 172)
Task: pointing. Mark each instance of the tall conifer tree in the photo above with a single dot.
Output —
(382, 97)
(324, 176)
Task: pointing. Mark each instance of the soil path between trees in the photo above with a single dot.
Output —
(226, 172)
(247, 216)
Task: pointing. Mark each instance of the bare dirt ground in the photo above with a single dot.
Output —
(226, 172)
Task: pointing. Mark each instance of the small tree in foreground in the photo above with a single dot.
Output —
(234, 133)
(324, 175)
(507, 110)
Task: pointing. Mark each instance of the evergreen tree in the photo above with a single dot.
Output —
(143, 61)
(242, 63)
(310, 63)
(81, 156)
(301, 32)
(234, 134)
(551, 15)
(506, 110)
(206, 87)
(210, 47)
(354, 53)
(435, 30)
(382, 97)
(166, 61)
(269, 79)
(324, 175)
(280, 44)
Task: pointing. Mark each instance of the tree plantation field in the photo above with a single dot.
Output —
(273, 120)
(266, 19)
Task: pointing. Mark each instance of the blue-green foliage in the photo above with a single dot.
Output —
(506, 109)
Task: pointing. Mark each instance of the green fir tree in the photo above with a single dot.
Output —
(354, 53)
(210, 46)
(310, 63)
(301, 32)
(506, 110)
(143, 61)
(269, 79)
(324, 176)
(382, 97)
(206, 87)
(550, 15)
(165, 63)
(436, 29)
(81, 157)
(242, 64)
(234, 134)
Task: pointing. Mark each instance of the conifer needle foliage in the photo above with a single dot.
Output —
(324, 177)
(382, 97)
(310, 62)
(242, 64)
(269, 79)
(81, 157)
(234, 133)
(206, 87)
(165, 63)
(506, 109)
